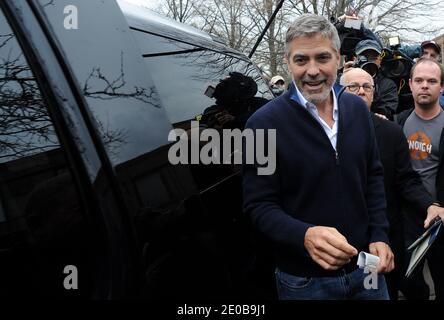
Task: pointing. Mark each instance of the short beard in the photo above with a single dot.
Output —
(316, 98)
(427, 106)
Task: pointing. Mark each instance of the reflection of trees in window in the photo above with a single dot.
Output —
(209, 65)
(5, 38)
(220, 65)
(99, 86)
(216, 66)
(47, 3)
(25, 126)
(111, 89)
(112, 139)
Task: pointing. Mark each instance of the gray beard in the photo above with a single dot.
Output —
(320, 97)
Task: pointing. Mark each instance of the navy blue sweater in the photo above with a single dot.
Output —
(314, 186)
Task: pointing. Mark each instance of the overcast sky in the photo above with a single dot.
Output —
(436, 18)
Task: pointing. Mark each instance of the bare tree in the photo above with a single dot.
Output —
(26, 127)
(240, 23)
(229, 20)
(180, 10)
(270, 53)
(405, 17)
(382, 16)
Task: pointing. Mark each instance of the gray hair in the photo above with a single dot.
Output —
(308, 25)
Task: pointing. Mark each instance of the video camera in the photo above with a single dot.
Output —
(233, 94)
(351, 31)
(395, 64)
(364, 63)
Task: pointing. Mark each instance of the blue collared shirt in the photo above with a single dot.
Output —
(332, 133)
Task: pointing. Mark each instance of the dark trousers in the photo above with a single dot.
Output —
(436, 264)
(347, 286)
(394, 278)
(415, 287)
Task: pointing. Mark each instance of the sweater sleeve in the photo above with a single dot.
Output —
(375, 195)
(262, 202)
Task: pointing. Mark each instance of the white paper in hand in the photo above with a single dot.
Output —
(368, 261)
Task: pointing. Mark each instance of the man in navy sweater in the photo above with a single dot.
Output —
(325, 202)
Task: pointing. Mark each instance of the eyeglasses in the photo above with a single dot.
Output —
(354, 87)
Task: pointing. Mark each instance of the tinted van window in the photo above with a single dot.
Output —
(186, 75)
(42, 226)
(188, 234)
(108, 67)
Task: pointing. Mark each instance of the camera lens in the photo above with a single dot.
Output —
(371, 68)
(397, 68)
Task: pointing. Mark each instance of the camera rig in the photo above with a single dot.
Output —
(395, 64)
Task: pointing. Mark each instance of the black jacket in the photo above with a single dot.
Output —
(385, 100)
(402, 184)
(400, 180)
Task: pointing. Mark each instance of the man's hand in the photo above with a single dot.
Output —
(328, 248)
(348, 66)
(224, 117)
(432, 212)
(385, 254)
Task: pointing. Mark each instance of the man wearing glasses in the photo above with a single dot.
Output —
(401, 182)
(385, 96)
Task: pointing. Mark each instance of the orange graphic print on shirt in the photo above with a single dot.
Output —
(420, 145)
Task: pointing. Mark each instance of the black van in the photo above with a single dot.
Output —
(90, 206)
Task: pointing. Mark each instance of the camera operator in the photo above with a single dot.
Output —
(369, 57)
(235, 103)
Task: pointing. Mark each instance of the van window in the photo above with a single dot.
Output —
(43, 232)
(109, 69)
(186, 75)
(122, 98)
(172, 220)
